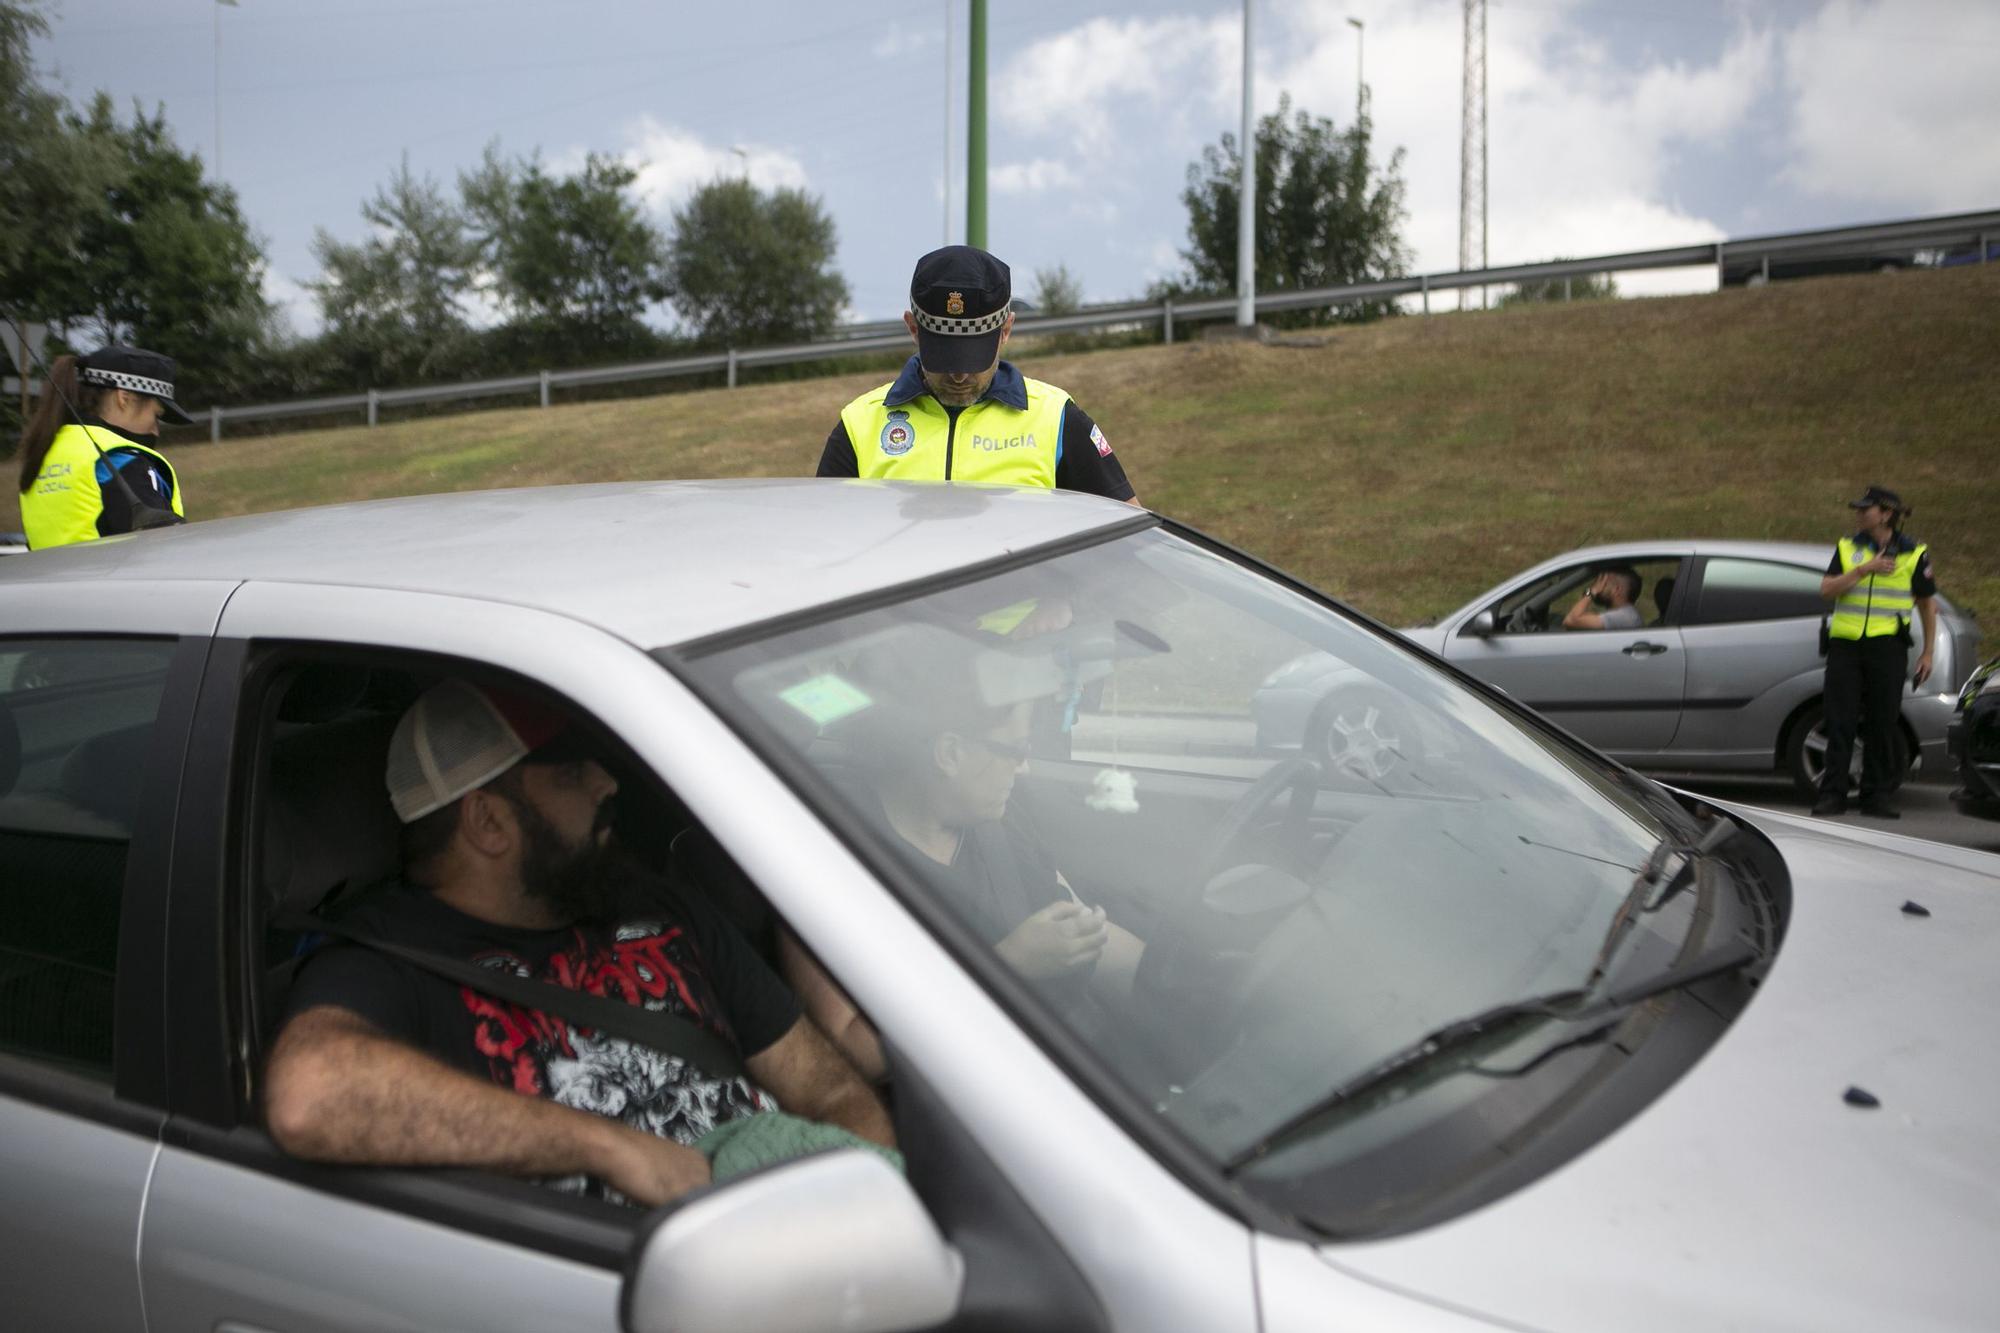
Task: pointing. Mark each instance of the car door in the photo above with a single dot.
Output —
(92, 733)
(1752, 635)
(237, 1235)
(1620, 690)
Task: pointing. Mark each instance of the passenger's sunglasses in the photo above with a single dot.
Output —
(1018, 751)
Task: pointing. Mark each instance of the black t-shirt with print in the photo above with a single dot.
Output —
(669, 951)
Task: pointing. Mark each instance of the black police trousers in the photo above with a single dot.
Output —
(1864, 692)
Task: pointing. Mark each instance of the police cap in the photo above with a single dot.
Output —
(959, 298)
(136, 370)
(1878, 495)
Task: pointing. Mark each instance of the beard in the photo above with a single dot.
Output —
(575, 880)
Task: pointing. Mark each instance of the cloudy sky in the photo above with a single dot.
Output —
(1613, 125)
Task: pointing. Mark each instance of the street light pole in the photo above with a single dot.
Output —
(1360, 84)
(1246, 189)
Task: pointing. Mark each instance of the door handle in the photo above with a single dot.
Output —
(1642, 649)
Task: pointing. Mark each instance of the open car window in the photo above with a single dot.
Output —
(1242, 845)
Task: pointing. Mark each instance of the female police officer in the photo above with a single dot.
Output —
(89, 468)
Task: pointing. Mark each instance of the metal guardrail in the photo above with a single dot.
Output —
(1879, 239)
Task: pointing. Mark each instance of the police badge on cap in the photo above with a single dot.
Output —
(138, 371)
(958, 297)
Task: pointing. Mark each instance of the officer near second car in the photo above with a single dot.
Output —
(1878, 580)
(958, 412)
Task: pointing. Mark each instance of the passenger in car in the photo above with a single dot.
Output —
(508, 863)
(939, 765)
(1610, 602)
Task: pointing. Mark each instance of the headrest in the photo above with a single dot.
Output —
(327, 822)
(1663, 593)
(103, 774)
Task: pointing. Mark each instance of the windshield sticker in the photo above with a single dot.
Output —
(1004, 620)
(825, 699)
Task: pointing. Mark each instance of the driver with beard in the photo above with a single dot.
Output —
(508, 862)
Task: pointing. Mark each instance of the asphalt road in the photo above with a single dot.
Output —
(1927, 808)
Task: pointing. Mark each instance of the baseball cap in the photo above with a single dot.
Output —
(458, 737)
(959, 296)
(1877, 495)
(134, 368)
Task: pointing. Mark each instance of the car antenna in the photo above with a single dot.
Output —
(144, 516)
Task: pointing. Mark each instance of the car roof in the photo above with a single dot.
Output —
(1796, 553)
(657, 563)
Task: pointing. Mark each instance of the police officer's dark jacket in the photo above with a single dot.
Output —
(1021, 431)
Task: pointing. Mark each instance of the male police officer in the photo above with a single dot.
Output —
(1875, 579)
(958, 412)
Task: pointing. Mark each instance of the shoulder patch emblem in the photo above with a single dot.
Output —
(898, 435)
(1097, 438)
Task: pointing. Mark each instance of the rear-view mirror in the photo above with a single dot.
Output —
(837, 1242)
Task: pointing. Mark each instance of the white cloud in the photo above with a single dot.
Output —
(1031, 177)
(1075, 83)
(1896, 103)
(672, 163)
(1580, 148)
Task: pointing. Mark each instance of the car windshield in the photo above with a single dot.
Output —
(1244, 845)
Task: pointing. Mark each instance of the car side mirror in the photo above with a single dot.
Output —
(836, 1242)
(1480, 626)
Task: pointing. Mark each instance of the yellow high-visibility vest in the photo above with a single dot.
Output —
(990, 441)
(63, 503)
(1879, 604)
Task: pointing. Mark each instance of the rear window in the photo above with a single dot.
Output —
(1739, 590)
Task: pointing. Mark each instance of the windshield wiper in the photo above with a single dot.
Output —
(1668, 866)
(1569, 1006)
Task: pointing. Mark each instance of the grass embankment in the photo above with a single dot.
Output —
(1403, 465)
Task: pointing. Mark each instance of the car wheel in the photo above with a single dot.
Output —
(1805, 751)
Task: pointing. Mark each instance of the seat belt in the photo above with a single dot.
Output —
(654, 1029)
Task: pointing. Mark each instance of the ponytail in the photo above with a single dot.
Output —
(52, 413)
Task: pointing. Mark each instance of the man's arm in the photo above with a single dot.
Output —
(1581, 616)
(830, 1007)
(337, 1090)
(809, 1078)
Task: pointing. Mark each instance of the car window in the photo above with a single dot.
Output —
(75, 720)
(1740, 590)
(1538, 607)
(1244, 846)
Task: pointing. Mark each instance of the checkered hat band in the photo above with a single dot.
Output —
(136, 383)
(961, 327)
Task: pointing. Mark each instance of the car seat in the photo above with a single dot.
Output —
(1663, 597)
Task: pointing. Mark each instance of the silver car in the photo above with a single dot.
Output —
(1725, 674)
(1441, 1021)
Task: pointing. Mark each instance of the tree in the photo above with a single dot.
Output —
(51, 179)
(394, 303)
(748, 268)
(168, 261)
(1057, 291)
(1587, 287)
(1326, 214)
(572, 260)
